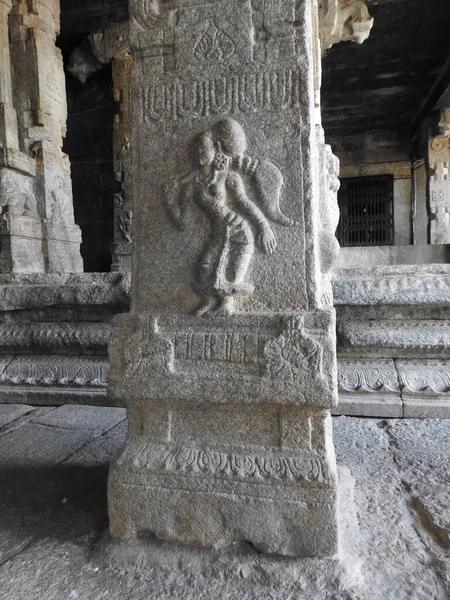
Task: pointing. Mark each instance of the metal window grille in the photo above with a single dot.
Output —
(367, 211)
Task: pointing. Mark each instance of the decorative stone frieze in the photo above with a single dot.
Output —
(393, 285)
(343, 20)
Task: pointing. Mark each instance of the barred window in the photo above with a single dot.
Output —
(367, 211)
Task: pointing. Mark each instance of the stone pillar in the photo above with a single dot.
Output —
(439, 183)
(20, 227)
(117, 37)
(227, 359)
(8, 118)
(40, 97)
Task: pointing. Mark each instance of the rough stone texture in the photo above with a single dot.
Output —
(37, 228)
(393, 285)
(394, 483)
(227, 360)
(27, 292)
(371, 256)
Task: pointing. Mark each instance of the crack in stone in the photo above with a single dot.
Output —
(439, 534)
(7, 365)
(423, 521)
(24, 419)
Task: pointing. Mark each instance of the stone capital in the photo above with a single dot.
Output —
(343, 20)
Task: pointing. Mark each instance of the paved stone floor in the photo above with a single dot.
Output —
(395, 515)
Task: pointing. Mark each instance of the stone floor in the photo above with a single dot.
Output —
(395, 515)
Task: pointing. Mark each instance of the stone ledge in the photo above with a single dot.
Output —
(410, 285)
(367, 387)
(22, 292)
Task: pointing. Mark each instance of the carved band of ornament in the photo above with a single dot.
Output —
(401, 290)
(250, 92)
(48, 335)
(226, 465)
(425, 379)
(368, 379)
(56, 373)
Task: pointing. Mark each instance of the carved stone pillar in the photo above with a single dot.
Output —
(439, 183)
(8, 118)
(21, 240)
(227, 359)
(123, 200)
(343, 20)
(39, 94)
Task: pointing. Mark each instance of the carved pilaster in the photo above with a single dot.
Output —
(342, 21)
(113, 44)
(439, 183)
(123, 204)
(8, 118)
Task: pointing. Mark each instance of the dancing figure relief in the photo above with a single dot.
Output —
(238, 224)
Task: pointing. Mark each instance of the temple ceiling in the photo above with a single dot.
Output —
(378, 85)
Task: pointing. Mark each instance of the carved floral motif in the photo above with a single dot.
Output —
(367, 378)
(214, 45)
(227, 465)
(293, 355)
(56, 372)
(147, 351)
(429, 378)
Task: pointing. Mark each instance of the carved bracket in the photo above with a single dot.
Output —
(342, 21)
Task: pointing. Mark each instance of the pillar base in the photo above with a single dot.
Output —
(217, 475)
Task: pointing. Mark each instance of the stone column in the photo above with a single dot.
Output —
(117, 48)
(21, 248)
(227, 359)
(8, 118)
(439, 183)
(39, 90)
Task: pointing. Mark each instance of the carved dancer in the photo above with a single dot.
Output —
(218, 189)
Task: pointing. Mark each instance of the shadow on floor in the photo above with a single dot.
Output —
(63, 502)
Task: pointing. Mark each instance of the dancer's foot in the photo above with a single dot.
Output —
(226, 306)
(208, 303)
